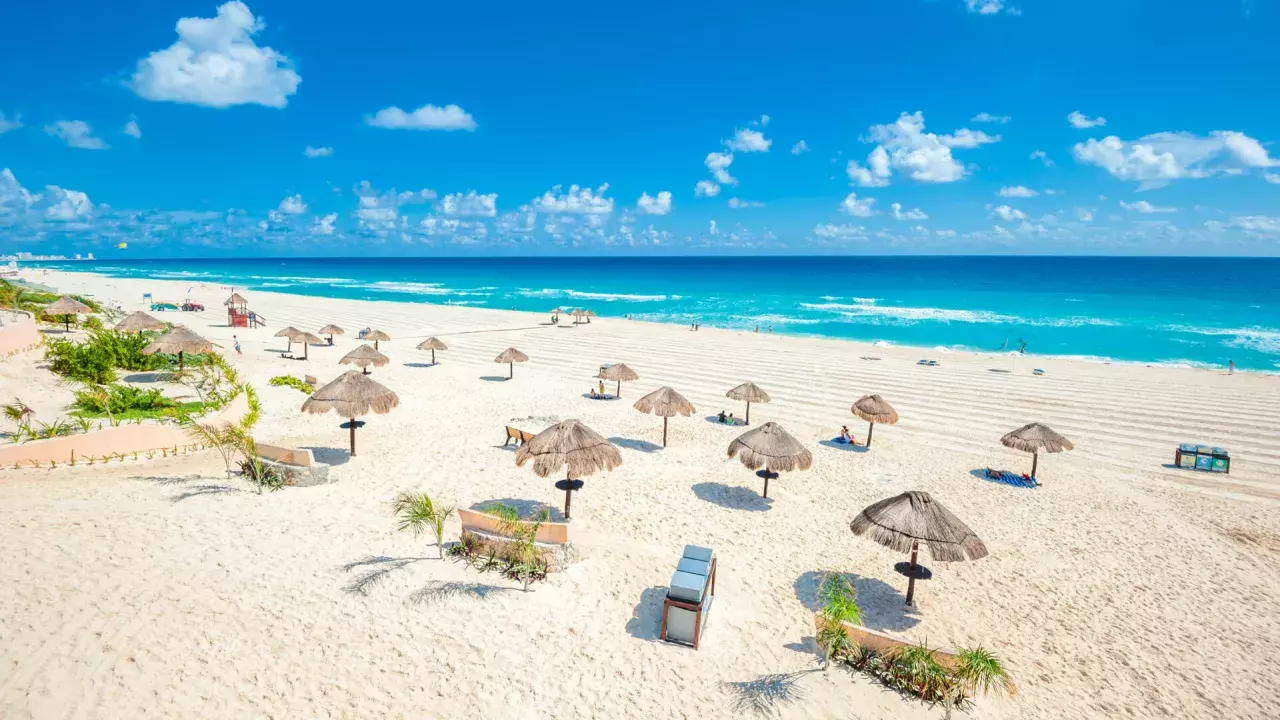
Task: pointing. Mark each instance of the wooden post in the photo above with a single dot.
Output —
(664, 432)
(766, 484)
(748, 412)
(353, 437)
(511, 370)
(619, 390)
(568, 496)
(911, 571)
(1035, 460)
(179, 361)
(871, 427)
(433, 356)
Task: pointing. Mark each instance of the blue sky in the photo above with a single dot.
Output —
(877, 126)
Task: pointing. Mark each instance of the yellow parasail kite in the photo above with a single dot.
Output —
(122, 246)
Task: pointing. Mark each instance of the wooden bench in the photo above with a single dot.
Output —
(521, 437)
(311, 380)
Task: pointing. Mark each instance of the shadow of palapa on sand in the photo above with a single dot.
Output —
(646, 617)
(494, 378)
(328, 455)
(883, 606)
(149, 377)
(768, 693)
(846, 447)
(420, 365)
(631, 444)
(526, 509)
(440, 591)
(737, 422)
(376, 569)
(733, 498)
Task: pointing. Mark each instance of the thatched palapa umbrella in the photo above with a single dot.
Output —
(432, 344)
(363, 357)
(618, 373)
(66, 306)
(307, 340)
(352, 395)
(772, 448)
(289, 333)
(1035, 439)
(577, 315)
(573, 446)
(588, 314)
(511, 356)
(331, 330)
(236, 301)
(749, 392)
(375, 336)
(904, 521)
(666, 403)
(874, 409)
(139, 321)
(177, 341)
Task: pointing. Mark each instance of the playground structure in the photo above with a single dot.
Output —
(239, 314)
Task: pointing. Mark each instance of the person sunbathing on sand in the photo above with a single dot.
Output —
(844, 435)
(594, 394)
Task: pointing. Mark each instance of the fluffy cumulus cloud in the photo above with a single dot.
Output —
(292, 205)
(76, 134)
(852, 205)
(324, 225)
(1006, 213)
(1042, 156)
(706, 188)
(905, 147)
(1146, 208)
(132, 130)
(739, 204)
(1017, 191)
(746, 140)
(912, 214)
(1273, 178)
(66, 205)
(470, 204)
(986, 117)
(14, 199)
(1253, 225)
(842, 232)
(6, 125)
(317, 152)
(1080, 121)
(380, 211)
(718, 163)
(1156, 160)
(216, 63)
(800, 148)
(659, 204)
(427, 117)
(574, 201)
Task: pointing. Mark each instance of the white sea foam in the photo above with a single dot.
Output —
(867, 312)
(882, 343)
(605, 297)
(411, 287)
(779, 320)
(942, 349)
(1259, 339)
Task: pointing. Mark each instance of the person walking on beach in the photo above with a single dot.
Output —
(233, 337)
(1231, 367)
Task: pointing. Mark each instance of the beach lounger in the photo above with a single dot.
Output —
(520, 436)
(1037, 371)
(311, 380)
(688, 601)
(928, 363)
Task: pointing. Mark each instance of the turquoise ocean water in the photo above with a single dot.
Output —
(1180, 311)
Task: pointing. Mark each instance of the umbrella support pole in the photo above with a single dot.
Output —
(353, 437)
(766, 484)
(871, 427)
(911, 572)
(664, 432)
(179, 362)
(568, 497)
(433, 356)
(1035, 460)
(748, 412)
(511, 372)
(618, 392)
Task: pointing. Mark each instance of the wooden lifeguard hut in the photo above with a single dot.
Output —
(237, 311)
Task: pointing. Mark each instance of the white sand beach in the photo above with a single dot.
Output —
(1122, 587)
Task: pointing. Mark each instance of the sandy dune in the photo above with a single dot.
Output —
(1121, 588)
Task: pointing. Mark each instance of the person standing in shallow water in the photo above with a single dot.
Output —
(1231, 367)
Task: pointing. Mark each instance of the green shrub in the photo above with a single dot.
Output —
(91, 323)
(21, 297)
(839, 600)
(119, 399)
(293, 382)
(97, 358)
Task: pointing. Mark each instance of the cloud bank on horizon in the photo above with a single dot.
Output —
(548, 140)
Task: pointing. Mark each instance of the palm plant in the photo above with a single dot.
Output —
(916, 669)
(18, 413)
(522, 549)
(417, 513)
(977, 671)
(839, 601)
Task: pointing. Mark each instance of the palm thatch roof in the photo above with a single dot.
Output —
(138, 321)
(290, 332)
(569, 445)
(432, 343)
(557, 311)
(914, 516)
(618, 372)
(576, 312)
(1036, 438)
(331, 330)
(377, 336)
(350, 395)
(750, 392)
(236, 299)
(771, 447)
(588, 313)
(665, 402)
(511, 355)
(67, 305)
(177, 340)
(307, 338)
(364, 356)
(876, 409)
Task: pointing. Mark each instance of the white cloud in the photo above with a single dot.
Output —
(13, 197)
(427, 117)
(292, 205)
(1156, 160)
(1146, 208)
(1006, 213)
(764, 120)
(1017, 191)
(912, 214)
(1080, 121)
(713, 229)
(718, 163)
(904, 146)
(746, 141)
(380, 211)
(858, 208)
(990, 7)
(946, 233)
(132, 130)
(844, 231)
(76, 134)
(216, 63)
(985, 117)
(1253, 225)
(738, 204)
(1042, 157)
(7, 125)
(67, 205)
(575, 201)
(706, 188)
(800, 148)
(470, 205)
(324, 225)
(659, 204)
(317, 152)
(1084, 214)
(1273, 178)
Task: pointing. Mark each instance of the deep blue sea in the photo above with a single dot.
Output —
(1186, 311)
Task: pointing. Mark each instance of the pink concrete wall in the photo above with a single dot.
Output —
(549, 532)
(125, 439)
(18, 335)
(883, 643)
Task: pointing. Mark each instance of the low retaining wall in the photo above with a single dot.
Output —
(550, 533)
(298, 466)
(121, 440)
(882, 643)
(18, 335)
